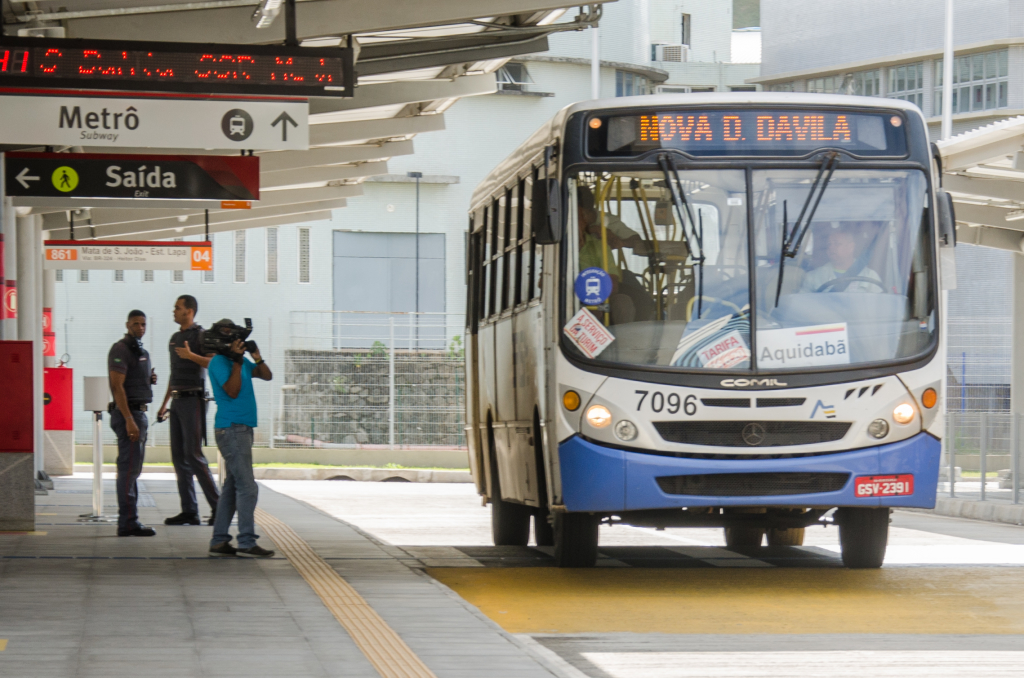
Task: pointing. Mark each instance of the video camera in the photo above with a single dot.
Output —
(223, 333)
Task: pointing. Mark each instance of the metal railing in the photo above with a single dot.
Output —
(373, 381)
(977, 444)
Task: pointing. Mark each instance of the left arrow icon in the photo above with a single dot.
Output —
(23, 178)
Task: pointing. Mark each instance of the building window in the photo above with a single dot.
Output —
(60, 275)
(83, 275)
(514, 76)
(782, 87)
(118, 276)
(980, 82)
(867, 83)
(271, 254)
(303, 255)
(685, 26)
(907, 83)
(147, 276)
(833, 84)
(629, 84)
(239, 256)
(743, 88)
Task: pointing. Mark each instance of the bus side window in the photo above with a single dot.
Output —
(492, 258)
(517, 253)
(477, 271)
(507, 274)
(526, 250)
(535, 254)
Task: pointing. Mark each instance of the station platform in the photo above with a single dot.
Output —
(397, 580)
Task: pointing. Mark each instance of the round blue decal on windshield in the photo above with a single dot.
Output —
(593, 286)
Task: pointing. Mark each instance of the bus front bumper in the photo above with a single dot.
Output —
(604, 479)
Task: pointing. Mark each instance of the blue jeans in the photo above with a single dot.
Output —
(129, 466)
(240, 490)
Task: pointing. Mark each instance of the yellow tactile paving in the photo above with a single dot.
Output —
(604, 600)
(383, 647)
(3, 644)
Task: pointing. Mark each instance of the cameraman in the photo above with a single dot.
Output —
(231, 376)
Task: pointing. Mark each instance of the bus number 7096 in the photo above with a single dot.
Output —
(671, 404)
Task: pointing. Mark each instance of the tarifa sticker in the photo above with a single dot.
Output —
(808, 346)
(593, 286)
(724, 352)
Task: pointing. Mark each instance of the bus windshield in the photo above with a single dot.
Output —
(842, 268)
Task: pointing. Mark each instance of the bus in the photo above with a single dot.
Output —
(709, 310)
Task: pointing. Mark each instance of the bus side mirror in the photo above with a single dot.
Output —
(947, 219)
(546, 213)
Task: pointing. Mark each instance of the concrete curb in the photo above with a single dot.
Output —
(333, 473)
(993, 512)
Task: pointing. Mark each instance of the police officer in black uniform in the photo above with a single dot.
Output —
(188, 415)
(131, 383)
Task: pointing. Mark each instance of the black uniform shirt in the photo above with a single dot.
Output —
(185, 374)
(127, 357)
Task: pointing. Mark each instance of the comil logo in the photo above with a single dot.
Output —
(744, 383)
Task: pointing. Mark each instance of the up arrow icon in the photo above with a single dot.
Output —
(284, 119)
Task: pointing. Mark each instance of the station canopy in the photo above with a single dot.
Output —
(414, 60)
(984, 171)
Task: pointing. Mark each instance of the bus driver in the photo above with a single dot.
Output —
(842, 258)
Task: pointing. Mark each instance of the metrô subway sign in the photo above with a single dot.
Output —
(153, 177)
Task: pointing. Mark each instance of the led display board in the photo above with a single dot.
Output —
(748, 132)
(176, 67)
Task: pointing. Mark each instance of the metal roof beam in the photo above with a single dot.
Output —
(314, 19)
(334, 134)
(414, 54)
(405, 92)
(269, 181)
(986, 216)
(281, 161)
(170, 226)
(106, 217)
(996, 238)
(242, 225)
(1004, 189)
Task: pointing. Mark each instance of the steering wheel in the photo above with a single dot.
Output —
(845, 282)
(708, 301)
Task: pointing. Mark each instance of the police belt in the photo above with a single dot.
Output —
(188, 393)
(132, 407)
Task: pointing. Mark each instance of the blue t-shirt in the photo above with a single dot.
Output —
(240, 410)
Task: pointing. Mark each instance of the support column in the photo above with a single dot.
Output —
(10, 229)
(30, 317)
(1017, 350)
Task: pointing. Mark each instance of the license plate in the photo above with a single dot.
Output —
(884, 486)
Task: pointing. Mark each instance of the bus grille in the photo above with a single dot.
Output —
(752, 484)
(751, 433)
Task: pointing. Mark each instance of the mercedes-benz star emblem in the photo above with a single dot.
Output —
(753, 434)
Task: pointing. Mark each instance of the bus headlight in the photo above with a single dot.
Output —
(879, 428)
(903, 414)
(599, 416)
(626, 430)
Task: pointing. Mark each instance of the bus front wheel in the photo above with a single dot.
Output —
(863, 536)
(575, 539)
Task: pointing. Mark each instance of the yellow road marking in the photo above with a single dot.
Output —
(379, 642)
(34, 533)
(777, 600)
(3, 644)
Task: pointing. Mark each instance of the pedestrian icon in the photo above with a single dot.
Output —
(64, 179)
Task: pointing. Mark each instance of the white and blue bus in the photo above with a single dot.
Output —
(710, 311)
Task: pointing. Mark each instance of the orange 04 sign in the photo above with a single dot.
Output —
(202, 258)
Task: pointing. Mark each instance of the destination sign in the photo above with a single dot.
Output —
(128, 255)
(176, 67)
(747, 132)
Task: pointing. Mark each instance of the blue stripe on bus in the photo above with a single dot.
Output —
(599, 478)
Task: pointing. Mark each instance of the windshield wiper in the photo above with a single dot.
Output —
(791, 241)
(680, 203)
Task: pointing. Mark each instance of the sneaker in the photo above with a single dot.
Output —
(222, 550)
(137, 531)
(254, 552)
(184, 519)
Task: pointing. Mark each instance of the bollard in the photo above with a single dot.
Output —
(97, 465)
(95, 396)
(984, 452)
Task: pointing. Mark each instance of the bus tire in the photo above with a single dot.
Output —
(743, 537)
(782, 536)
(543, 530)
(575, 539)
(863, 536)
(510, 523)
